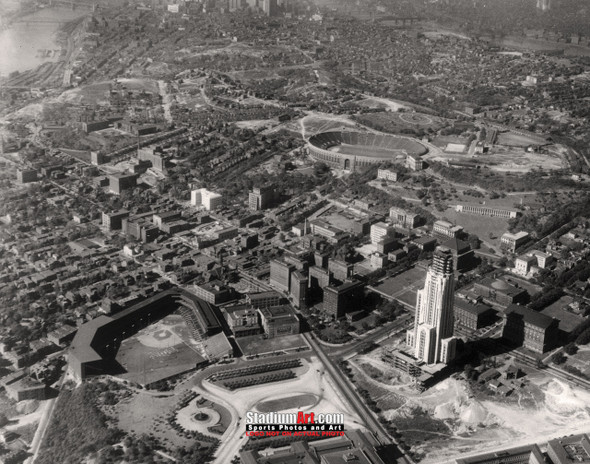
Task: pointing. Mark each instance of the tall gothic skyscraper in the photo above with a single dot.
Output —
(431, 339)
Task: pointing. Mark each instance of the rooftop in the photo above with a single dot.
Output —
(574, 449)
(529, 316)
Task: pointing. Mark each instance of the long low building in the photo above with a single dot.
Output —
(487, 211)
(528, 454)
(96, 343)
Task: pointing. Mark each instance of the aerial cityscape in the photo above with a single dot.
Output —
(295, 231)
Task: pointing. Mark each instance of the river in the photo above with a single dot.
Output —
(21, 42)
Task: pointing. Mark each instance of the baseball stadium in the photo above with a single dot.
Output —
(165, 335)
(352, 150)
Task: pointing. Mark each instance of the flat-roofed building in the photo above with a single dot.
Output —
(463, 255)
(323, 229)
(355, 447)
(243, 320)
(26, 389)
(574, 449)
(159, 161)
(203, 197)
(523, 264)
(404, 218)
(387, 174)
(425, 243)
(444, 229)
(386, 244)
(279, 320)
(500, 291)
(141, 228)
(470, 317)
(213, 292)
(543, 259)
(341, 270)
(529, 454)
(511, 242)
(226, 233)
(414, 162)
(318, 277)
(530, 329)
(298, 290)
(396, 255)
(380, 230)
(261, 198)
(487, 211)
(280, 275)
(263, 299)
(114, 220)
(122, 181)
(343, 298)
(24, 176)
(378, 260)
(164, 218)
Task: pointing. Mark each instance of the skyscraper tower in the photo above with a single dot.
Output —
(431, 339)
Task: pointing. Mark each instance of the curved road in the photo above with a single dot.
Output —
(353, 399)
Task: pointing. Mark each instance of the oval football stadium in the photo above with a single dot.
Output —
(352, 150)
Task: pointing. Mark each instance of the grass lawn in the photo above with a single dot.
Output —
(481, 226)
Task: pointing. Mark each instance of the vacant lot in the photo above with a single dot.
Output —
(257, 344)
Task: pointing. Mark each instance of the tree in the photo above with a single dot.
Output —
(570, 349)
(558, 358)
(473, 241)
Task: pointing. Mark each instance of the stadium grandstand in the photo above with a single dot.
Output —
(96, 343)
(352, 150)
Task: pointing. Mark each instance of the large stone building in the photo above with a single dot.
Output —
(122, 181)
(463, 255)
(355, 448)
(444, 229)
(404, 218)
(114, 220)
(528, 454)
(280, 275)
(279, 320)
(470, 317)
(530, 329)
(431, 339)
(487, 211)
(499, 291)
(261, 198)
(344, 298)
(243, 320)
(570, 450)
(25, 176)
(379, 231)
(263, 299)
(340, 270)
(298, 292)
(203, 197)
(511, 242)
